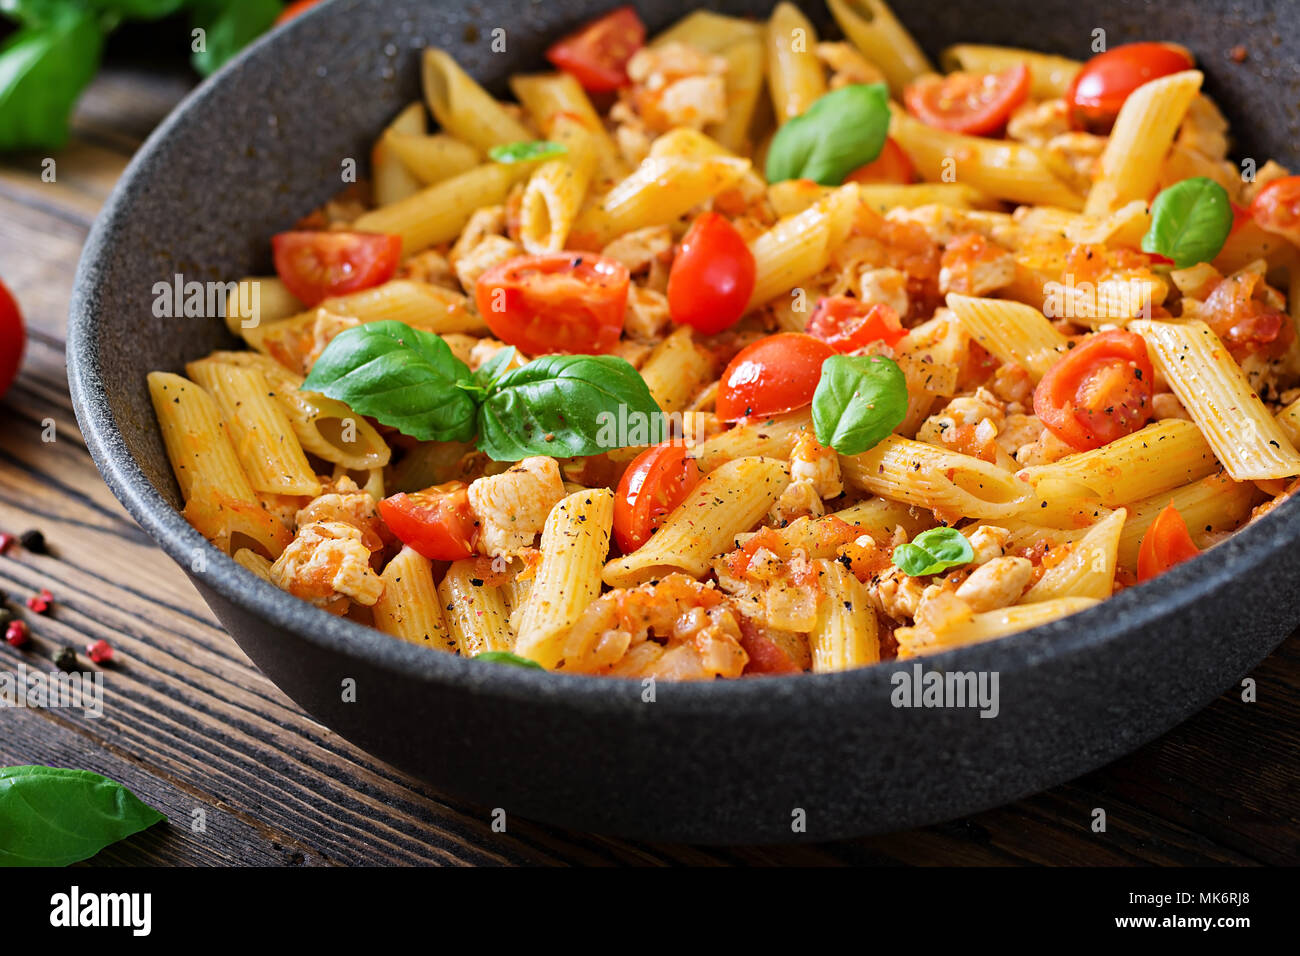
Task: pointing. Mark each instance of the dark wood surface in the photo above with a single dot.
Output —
(191, 726)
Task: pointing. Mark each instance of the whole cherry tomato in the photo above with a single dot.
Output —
(776, 374)
(712, 276)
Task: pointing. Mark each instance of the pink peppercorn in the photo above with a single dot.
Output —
(40, 603)
(16, 633)
(101, 652)
(6, 541)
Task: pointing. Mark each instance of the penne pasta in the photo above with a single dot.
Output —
(872, 27)
(794, 75)
(477, 618)
(463, 108)
(409, 607)
(845, 635)
(1012, 331)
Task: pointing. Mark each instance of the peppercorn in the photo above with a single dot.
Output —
(6, 616)
(6, 542)
(16, 633)
(40, 603)
(34, 541)
(66, 659)
(101, 652)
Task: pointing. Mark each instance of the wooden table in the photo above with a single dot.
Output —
(190, 725)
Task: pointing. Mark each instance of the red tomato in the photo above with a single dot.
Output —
(1100, 391)
(12, 339)
(712, 276)
(891, 166)
(972, 103)
(765, 655)
(437, 522)
(653, 485)
(317, 265)
(293, 9)
(1100, 88)
(847, 324)
(555, 302)
(1165, 544)
(1276, 208)
(773, 375)
(597, 55)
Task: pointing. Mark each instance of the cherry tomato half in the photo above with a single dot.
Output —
(891, 166)
(847, 324)
(437, 522)
(712, 276)
(972, 103)
(1276, 208)
(1166, 543)
(555, 302)
(293, 9)
(1100, 391)
(596, 55)
(12, 339)
(1100, 88)
(317, 265)
(653, 485)
(773, 375)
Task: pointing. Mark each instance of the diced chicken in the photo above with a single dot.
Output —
(1047, 449)
(1036, 123)
(813, 462)
(647, 316)
(640, 248)
(512, 506)
(488, 221)
(678, 85)
(800, 499)
(988, 542)
(490, 252)
(884, 287)
(348, 504)
(996, 583)
(1073, 157)
(895, 594)
(971, 265)
(326, 563)
(429, 266)
(1017, 431)
(1204, 129)
(1166, 405)
(324, 327)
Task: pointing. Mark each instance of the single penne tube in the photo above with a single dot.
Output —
(676, 370)
(465, 109)
(263, 439)
(1012, 331)
(556, 190)
(1245, 436)
(878, 518)
(196, 438)
(795, 76)
(1130, 164)
(947, 482)
(846, 633)
(1211, 506)
(728, 500)
(872, 27)
(439, 212)
(1002, 169)
(1049, 76)
(548, 96)
(687, 143)
(253, 561)
(797, 248)
(709, 31)
(758, 438)
(1155, 459)
(476, 612)
(409, 607)
(430, 159)
(575, 543)
(1110, 301)
(987, 625)
(655, 194)
(745, 66)
(1088, 569)
(259, 300)
(391, 178)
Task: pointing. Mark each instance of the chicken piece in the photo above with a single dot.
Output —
(971, 265)
(1036, 123)
(799, 500)
(1166, 405)
(813, 462)
(988, 542)
(1047, 449)
(639, 248)
(1017, 431)
(512, 507)
(490, 252)
(646, 317)
(895, 594)
(326, 563)
(348, 504)
(306, 348)
(488, 221)
(1073, 157)
(429, 266)
(996, 583)
(885, 286)
(676, 85)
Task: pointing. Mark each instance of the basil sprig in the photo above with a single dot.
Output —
(933, 551)
(557, 405)
(859, 400)
(505, 657)
(843, 130)
(50, 816)
(525, 151)
(1190, 221)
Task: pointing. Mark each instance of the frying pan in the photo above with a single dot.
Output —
(810, 757)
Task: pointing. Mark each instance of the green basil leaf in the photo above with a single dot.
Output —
(1190, 221)
(43, 70)
(505, 657)
(485, 375)
(228, 26)
(564, 406)
(859, 400)
(933, 551)
(526, 151)
(840, 132)
(50, 816)
(400, 376)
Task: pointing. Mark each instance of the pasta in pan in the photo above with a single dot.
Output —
(742, 350)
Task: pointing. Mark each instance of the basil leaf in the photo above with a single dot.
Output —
(525, 151)
(564, 406)
(859, 400)
(400, 376)
(50, 816)
(1190, 221)
(840, 132)
(485, 375)
(505, 657)
(933, 551)
(43, 70)
(228, 26)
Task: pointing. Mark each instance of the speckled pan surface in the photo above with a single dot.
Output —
(262, 142)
